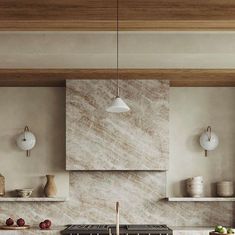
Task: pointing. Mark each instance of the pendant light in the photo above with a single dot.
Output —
(118, 105)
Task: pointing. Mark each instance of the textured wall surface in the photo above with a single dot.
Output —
(98, 140)
(93, 196)
(191, 111)
(42, 109)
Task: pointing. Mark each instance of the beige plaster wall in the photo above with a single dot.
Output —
(191, 111)
(42, 109)
(98, 49)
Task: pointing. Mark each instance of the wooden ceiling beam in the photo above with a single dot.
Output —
(124, 25)
(177, 77)
(101, 15)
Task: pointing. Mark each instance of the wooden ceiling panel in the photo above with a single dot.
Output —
(62, 10)
(101, 14)
(177, 9)
(177, 77)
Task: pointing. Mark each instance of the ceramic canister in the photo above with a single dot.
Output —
(225, 189)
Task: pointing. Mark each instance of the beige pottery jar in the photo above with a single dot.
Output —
(2, 185)
(50, 189)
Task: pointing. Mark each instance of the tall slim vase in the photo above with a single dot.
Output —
(50, 189)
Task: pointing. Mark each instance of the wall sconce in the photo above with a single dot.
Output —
(26, 141)
(209, 140)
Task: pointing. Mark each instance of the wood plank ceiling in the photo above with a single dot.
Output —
(101, 15)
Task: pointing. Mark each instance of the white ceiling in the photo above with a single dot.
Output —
(97, 49)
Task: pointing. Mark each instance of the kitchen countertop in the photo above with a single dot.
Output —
(55, 230)
(191, 230)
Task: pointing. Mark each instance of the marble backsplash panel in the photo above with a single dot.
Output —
(98, 140)
(93, 196)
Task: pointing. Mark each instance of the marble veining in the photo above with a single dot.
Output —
(97, 140)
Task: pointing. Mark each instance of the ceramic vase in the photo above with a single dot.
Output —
(50, 189)
(2, 185)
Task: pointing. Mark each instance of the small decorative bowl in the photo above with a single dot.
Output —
(26, 192)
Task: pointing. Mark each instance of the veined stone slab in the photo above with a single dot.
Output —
(98, 140)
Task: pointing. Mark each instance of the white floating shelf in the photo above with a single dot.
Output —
(201, 199)
(33, 199)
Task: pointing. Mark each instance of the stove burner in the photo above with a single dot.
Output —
(96, 229)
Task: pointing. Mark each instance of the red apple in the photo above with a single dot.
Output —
(48, 223)
(20, 222)
(42, 225)
(9, 222)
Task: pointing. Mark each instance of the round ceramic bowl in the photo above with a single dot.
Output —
(194, 184)
(195, 180)
(24, 192)
(195, 192)
(190, 181)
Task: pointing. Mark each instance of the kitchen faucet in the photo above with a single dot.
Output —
(117, 221)
(117, 218)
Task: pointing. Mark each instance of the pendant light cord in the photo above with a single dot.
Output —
(117, 53)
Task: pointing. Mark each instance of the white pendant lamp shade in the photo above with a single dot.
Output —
(118, 106)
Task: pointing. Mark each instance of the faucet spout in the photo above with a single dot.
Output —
(117, 219)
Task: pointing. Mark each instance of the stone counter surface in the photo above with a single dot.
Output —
(191, 230)
(33, 231)
(56, 231)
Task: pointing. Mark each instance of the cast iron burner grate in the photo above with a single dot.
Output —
(102, 229)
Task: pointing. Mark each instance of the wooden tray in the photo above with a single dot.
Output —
(14, 227)
(216, 233)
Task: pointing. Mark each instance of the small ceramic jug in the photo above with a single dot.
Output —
(50, 189)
